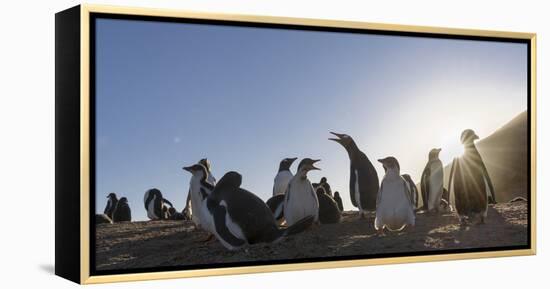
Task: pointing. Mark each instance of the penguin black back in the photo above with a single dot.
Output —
(122, 211)
(363, 176)
(328, 209)
(338, 200)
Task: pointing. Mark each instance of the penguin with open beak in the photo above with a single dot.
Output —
(363, 182)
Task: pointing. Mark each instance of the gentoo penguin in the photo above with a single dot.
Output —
(102, 219)
(431, 183)
(469, 181)
(154, 204)
(323, 184)
(300, 198)
(276, 204)
(412, 189)
(111, 204)
(283, 176)
(199, 189)
(394, 209)
(188, 210)
(363, 183)
(239, 217)
(338, 200)
(329, 213)
(122, 211)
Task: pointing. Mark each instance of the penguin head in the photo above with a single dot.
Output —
(468, 136)
(343, 139)
(323, 180)
(155, 192)
(336, 194)
(286, 163)
(206, 163)
(389, 163)
(434, 154)
(230, 181)
(305, 166)
(111, 196)
(320, 190)
(123, 200)
(198, 170)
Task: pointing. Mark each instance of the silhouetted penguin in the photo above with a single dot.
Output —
(394, 209)
(102, 219)
(122, 211)
(300, 199)
(154, 203)
(323, 184)
(199, 189)
(111, 204)
(276, 205)
(431, 183)
(328, 209)
(338, 200)
(469, 181)
(239, 217)
(283, 176)
(412, 189)
(363, 183)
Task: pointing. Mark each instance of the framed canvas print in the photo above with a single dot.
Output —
(194, 144)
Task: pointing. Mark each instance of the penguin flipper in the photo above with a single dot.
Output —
(488, 181)
(222, 231)
(425, 186)
(352, 188)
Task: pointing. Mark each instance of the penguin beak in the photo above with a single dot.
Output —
(187, 169)
(338, 140)
(293, 160)
(475, 136)
(312, 167)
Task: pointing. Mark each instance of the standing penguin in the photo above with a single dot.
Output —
(122, 211)
(363, 183)
(111, 205)
(469, 181)
(394, 210)
(323, 184)
(283, 176)
(412, 189)
(239, 217)
(329, 213)
(300, 199)
(199, 189)
(431, 183)
(338, 200)
(188, 209)
(154, 204)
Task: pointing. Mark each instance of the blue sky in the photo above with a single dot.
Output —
(169, 94)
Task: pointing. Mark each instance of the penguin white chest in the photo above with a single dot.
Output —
(436, 185)
(300, 201)
(151, 209)
(196, 200)
(394, 209)
(281, 182)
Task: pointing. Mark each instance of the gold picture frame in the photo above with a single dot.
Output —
(77, 268)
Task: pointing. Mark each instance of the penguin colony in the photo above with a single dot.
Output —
(237, 217)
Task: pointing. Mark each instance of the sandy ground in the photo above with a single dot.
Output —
(173, 243)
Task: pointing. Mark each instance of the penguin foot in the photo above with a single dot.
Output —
(208, 238)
